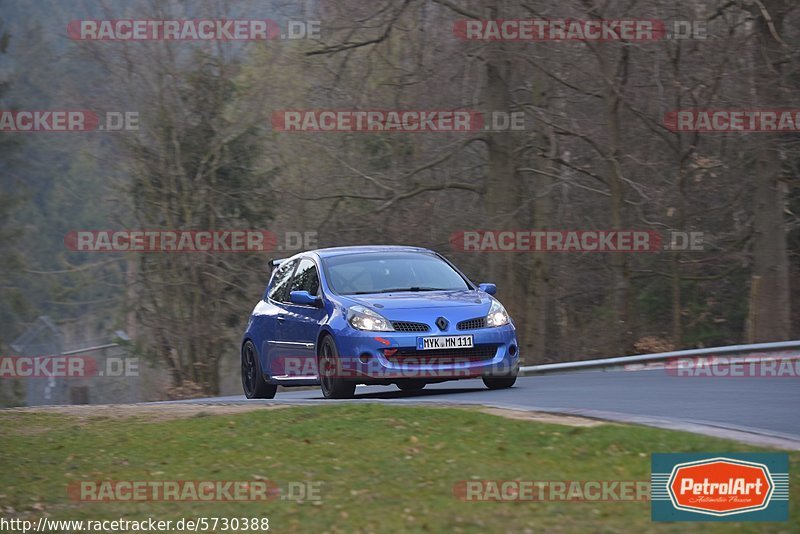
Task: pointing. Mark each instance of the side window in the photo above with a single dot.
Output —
(306, 277)
(279, 290)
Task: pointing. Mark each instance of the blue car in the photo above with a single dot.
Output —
(382, 315)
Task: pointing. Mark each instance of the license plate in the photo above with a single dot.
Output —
(444, 342)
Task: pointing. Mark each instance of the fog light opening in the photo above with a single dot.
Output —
(365, 357)
(512, 350)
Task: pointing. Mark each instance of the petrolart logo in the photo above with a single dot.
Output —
(720, 487)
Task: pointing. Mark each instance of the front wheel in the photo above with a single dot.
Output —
(331, 382)
(253, 383)
(500, 382)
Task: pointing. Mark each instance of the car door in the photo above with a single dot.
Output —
(301, 323)
(271, 315)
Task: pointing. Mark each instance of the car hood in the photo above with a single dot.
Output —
(462, 298)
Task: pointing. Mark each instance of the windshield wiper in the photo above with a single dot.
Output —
(397, 290)
(414, 288)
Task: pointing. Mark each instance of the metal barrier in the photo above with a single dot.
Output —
(732, 350)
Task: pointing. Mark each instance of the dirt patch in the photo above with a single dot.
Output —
(155, 412)
(166, 411)
(541, 417)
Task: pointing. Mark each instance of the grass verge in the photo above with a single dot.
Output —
(379, 468)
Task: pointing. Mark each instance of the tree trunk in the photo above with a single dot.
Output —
(502, 195)
(770, 313)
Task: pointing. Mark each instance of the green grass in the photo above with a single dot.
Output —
(381, 468)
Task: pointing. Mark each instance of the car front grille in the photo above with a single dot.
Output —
(406, 326)
(472, 324)
(440, 356)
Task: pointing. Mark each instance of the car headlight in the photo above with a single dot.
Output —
(497, 315)
(362, 318)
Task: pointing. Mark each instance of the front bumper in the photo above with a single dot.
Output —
(385, 357)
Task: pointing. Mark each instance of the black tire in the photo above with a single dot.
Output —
(411, 385)
(332, 385)
(500, 382)
(253, 383)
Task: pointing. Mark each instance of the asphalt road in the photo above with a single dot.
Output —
(763, 411)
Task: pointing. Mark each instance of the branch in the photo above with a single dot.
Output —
(458, 9)
(342, 47)
(424, 189)
(770, 23)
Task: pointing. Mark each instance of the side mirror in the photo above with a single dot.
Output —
(488, 288)
(304, 298)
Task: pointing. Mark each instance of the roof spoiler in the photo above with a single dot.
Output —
(275, 263)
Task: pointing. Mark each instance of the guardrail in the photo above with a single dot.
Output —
(564, 367)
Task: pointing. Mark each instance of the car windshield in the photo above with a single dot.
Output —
(361, 274)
